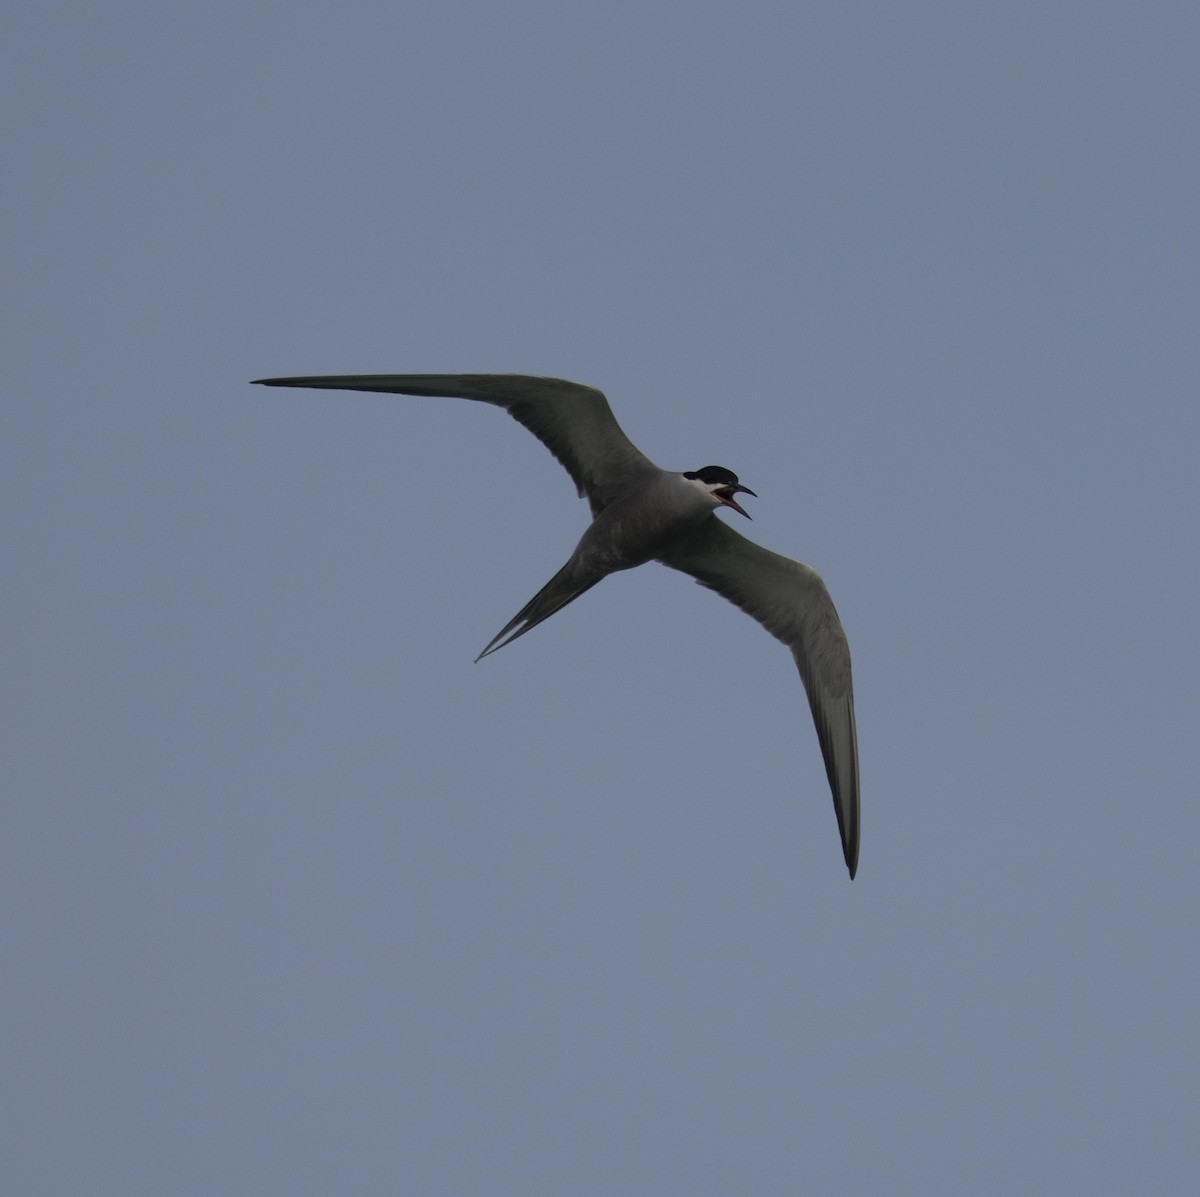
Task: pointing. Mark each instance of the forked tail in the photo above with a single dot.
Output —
(564, 587)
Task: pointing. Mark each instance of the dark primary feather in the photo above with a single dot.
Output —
(573, 421)
(790, 600)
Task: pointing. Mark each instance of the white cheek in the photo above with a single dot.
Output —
(704, 488)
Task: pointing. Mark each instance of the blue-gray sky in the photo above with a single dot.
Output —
(297, 899)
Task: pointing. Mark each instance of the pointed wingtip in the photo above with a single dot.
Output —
(850, 850)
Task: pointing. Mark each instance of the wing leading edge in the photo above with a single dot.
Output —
(573, 421)
(790, 600)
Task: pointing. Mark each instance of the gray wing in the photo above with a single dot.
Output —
(791, 602)
(573, 421)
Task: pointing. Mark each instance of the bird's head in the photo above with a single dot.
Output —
(721, 485)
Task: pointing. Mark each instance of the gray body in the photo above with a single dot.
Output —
(643, 513)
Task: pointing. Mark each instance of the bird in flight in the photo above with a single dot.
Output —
(643, 513)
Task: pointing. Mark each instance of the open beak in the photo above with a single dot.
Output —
(726, 493)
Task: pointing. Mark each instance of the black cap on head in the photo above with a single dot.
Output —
(714, 475)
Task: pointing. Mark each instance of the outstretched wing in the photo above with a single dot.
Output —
(791, 602)
(573, 421)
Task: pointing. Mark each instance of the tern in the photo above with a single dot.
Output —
(643, 513)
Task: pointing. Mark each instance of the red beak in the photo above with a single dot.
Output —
(726, 493)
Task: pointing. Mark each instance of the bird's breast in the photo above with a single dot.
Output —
(639, 527)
